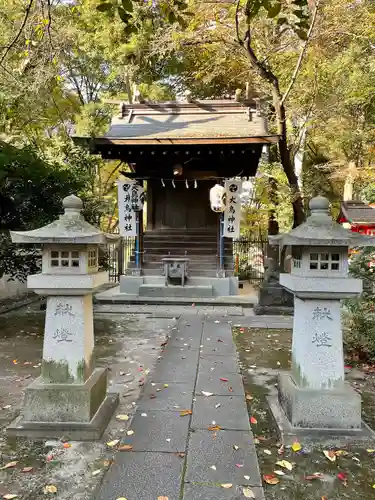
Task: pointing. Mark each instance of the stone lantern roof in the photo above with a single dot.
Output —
(321, 230)
(70, 227)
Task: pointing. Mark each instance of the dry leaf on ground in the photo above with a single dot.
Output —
(125, 447)
(331, 455)
(214, 428)
(27, 469)
(96, 472)
(183, 413)
(279, 472)
(10, 496)
(271, 479)
(205, 393)
(248, 493)
(113, 443)
(316, 475)
(253, 420)
(249, 397)
(267, 452)
(285, 464)
(122, 417)
(50, 488)
(9, 465)
(226, 485)
(163, 498)
(296, 446)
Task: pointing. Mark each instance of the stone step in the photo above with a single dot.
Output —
(208, 273)
(200, 291)
(181, 250)
(185, 243)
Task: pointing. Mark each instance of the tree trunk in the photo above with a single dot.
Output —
(285, 156)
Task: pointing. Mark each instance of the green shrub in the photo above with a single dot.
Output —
(359, 312)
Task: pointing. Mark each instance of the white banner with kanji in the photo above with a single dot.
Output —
(232, 212)
(126, 214)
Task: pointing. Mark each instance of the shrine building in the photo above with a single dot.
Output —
(178, 151)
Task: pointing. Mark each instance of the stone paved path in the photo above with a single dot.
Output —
(173, 455)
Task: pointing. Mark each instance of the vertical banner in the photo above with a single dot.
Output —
(126, 212)
(232, 213)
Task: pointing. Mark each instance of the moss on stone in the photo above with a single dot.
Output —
(56, 372)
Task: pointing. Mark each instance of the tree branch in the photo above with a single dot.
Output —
(302, 53)
(237, 22)
(15, 40)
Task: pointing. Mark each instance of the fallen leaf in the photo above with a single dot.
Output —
(122, 417)
(113, 443)
(9, 465)
(239, 466)
(285, 464)
(235, 447)
(27, 469)
(342, 476)
(279, 472)
(280, 451)
(223, 379)
(271, 479)
(247, 478)
(296, 446)
(217, 405)
(249, 397)
(50, 488)
(121, 498)
(316, 475)
(267, 452)
(230, 389)
(125, 447)
(96, 472)
(163, 498)
(205, 393)
(166, 385)
(253, 420)
(183, 413)
(181, 455)
(6, 407)
(213, 467)
(331, 455)
(143, 414)
(226, 485)
(129, 433)
(67, 445)
(324, 498)
(9, 496)
(15, 362)
(370, 451)
(340, 453)
(214, 428)
(248, 493)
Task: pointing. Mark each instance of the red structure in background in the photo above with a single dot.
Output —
(358, 216)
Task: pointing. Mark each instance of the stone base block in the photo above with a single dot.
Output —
(74, 431)
(322, 409)
(65, 402)
(273, 310)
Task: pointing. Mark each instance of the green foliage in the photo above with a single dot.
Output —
(359, 313)
(31, 192)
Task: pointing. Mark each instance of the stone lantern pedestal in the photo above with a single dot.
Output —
(70, 397)
(315, 396)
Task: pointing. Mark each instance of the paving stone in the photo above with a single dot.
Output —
(167, 398)
(143, 476)
(207, 448)
(152, 431)
(176, 365)
(231, 414)
(211, 382)
(198, 491)
(209, 364)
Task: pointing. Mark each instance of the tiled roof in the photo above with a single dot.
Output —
(358, 212)
(203, 120)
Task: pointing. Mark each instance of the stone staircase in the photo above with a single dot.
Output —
(198, 245)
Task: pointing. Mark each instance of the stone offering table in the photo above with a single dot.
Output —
(70, 398)
(315, 395)
(175, 268)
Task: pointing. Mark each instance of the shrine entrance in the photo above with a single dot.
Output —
(185, 206)
(178, 151)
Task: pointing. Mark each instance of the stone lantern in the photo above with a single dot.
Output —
(315, 394)
(70, 397)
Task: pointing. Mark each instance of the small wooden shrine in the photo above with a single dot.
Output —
(179, 151)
